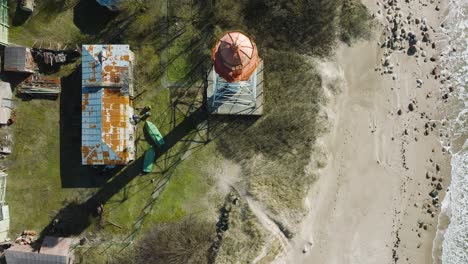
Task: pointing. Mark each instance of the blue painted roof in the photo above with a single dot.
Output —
(106, 128)
(91, 133)
(109, 2)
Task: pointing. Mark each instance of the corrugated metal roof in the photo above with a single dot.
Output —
(19, 59)
(107, 133)
(106, 65)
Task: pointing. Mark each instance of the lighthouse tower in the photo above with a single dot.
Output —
(235, 84)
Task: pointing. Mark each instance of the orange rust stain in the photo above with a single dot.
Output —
(115, 123)
(90, 154)
(111, 74)
(125, 57)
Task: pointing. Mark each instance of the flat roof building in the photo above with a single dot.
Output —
(108, 133)
(54, 250)
(19, 59)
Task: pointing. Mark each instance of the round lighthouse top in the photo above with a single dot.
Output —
(235, 57)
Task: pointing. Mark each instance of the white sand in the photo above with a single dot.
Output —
(366, 205)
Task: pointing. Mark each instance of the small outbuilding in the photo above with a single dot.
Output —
(6, 102)
(54, 250)
(108, 133)
(19, 59)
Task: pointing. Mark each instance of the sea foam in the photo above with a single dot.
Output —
(455, 204)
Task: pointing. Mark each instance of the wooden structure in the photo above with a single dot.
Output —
(6, 103)
(39, 85)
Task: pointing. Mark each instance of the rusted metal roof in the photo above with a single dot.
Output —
(40, 85)
(107, 130)
(106, 65)
(235, 57)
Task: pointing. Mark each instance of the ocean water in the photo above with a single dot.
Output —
(455, 204)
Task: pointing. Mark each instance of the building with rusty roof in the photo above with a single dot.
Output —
(107, 129)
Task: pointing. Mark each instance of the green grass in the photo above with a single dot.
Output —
(35, 193)
(180, 66)
(34, 188)
(273, 150)
(46, 26)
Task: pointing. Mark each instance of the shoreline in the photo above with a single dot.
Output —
(371, 203)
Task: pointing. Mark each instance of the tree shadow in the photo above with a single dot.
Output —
(185, 137)
(90, 17)
(75, 217)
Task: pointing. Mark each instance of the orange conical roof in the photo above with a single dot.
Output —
(235, 57)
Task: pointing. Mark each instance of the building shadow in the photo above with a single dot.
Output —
(76, 217)
(184, 138)
(72, 173)
(90, 17)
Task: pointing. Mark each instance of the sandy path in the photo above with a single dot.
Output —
(368, 202)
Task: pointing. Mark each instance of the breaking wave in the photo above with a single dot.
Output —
(455, 204)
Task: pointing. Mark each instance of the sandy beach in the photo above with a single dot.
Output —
(377, 200)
